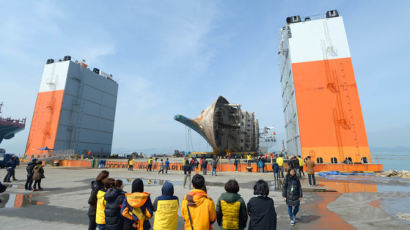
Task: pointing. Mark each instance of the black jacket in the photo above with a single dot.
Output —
(294, 164)
(292, 190)
(30, 168)
(262, 213)
(113, 218)
(92, 201)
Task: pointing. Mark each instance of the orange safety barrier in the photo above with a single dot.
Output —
(226, 167)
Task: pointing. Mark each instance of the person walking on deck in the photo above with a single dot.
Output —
(292, 194)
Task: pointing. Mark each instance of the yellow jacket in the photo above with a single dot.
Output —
(301, 163)
(131, 162)
(100, 213)
(279, 160)
(202, 209)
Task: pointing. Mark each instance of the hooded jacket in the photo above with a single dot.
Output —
(30, 168)
(231, 211)
(137, 208)
(114, 198)
(92, 200)
(166, 209)
(292, 190)
(202, 209)
(261, 210)
(100, 213)
(38, 172)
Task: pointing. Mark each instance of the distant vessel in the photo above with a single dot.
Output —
(267, 139)
(9, 127)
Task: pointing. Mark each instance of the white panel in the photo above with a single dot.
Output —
(318, 40)
(54, 76)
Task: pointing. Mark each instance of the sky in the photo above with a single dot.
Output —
(177, 57)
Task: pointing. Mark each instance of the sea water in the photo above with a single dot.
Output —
(396, 161)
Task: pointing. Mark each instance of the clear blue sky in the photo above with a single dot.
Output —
(173, 57)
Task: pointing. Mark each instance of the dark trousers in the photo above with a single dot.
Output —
(38, 183)
(92, 225)
(276, 177)
(292, 213)
(204, 169)
(236, 168)
(166, 169)
(301, 171)
(312, 177)
(281, 172)
(161, 170)
(29, 182)
(8, 175)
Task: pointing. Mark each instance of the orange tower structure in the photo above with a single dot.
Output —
(320, 98)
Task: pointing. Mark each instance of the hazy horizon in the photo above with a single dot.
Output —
(178, 57)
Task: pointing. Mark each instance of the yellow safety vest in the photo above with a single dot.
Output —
(166, 216)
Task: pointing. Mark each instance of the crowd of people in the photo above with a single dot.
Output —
(110, 207)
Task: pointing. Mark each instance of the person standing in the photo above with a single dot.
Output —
(96, 186)
(38, 174)
(16, 163)
(131, 164)
(214, 165)
(161, 167)
(166, 209)
(197, 208)
(301, 164)
(30, 172)
(204, 166)
(279, 160)
(231, 208)
(101, 202)
(137, 208)
(187, 173)
(292, 194)
(310, 165)
(236, 163)
(166, 166)
(275, 169)
(201, 164)
(114, 198)
(11, 166)
(261, 208)
(249, 159)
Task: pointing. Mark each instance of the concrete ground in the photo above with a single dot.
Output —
(63, 203)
